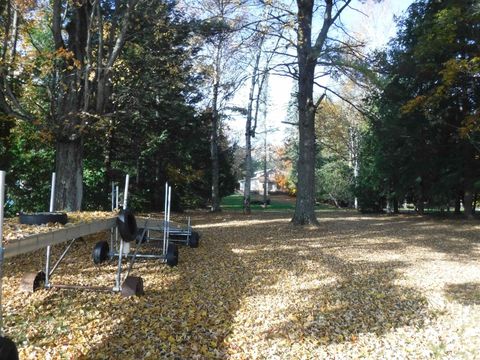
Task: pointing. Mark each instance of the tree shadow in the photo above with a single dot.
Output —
(466, 293)
(191, 315)
(364, 299)
(192, 310)
(454, 237)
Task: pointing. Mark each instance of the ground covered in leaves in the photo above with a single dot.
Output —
(13, 230)
(259, 288)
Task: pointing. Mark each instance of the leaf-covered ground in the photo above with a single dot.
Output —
(259, 288)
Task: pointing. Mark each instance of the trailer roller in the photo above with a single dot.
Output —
(100, 252)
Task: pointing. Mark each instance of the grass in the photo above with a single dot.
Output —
(277, 203)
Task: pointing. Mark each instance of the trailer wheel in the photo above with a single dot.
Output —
(100, 252)
(43, 218)
(8, 349)
(172, 255)
(127, 225)
(194, 238)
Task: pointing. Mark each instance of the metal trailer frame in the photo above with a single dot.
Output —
(174, 232)
(169, 251)
(127, 286)
(33, 281)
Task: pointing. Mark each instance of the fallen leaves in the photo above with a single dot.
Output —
(14, 230)
(257, 287)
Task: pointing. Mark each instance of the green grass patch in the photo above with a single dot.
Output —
(235, 203)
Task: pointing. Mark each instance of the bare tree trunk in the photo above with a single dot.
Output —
(305, 202)
(474, 204)
(158, 191)
(308, 54)
(215, 207)
(248, 139)
(468, 184)
(353, 150)
(337, 205)
(420, 206)
(265, 172)
(395, 205)
(214, 154)
(468, 198)
(66, 108)
(248, 167)
(457, 205)
(69, 188)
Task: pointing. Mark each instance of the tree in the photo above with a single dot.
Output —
(338, 125)
(158, 135)
(335, 183)
(71, 108)
(310, 49)
(258, 92)
(421, 115)
(221, 63)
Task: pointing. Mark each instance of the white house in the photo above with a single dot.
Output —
(258, 180)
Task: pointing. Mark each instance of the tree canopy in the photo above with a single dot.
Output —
(96, 90)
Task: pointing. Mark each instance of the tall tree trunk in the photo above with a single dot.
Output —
(395, 205)
(67, 106)
(307, 56)
(248, 140)
(158, 190)
(305, 202)
(468, 198)
(457, 205)
(69, 187)
(248, 167)
(420, 207)
(215, 207)
(214, 154)
(468, 184)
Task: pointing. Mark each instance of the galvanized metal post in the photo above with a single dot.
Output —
(49, 248)
(113, 196)
(165, 220)
(2, 204)
(112, 231)
(52, 193)
(125, 193)
(116, 197)
(119, 269)
(168, 217)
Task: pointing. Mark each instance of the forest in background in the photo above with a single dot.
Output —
(99, 89)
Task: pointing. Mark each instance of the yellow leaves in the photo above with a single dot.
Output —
(470, 125)
(293, 318)
(171, 340)
(328, 292)
(14, 230)
(414, 104)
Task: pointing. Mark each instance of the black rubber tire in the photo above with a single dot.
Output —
(8, 349)
(172, 255)
(43, 218)
(127, 225)
(194, 239)
(100, 252)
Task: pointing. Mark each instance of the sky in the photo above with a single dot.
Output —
(374, 23)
